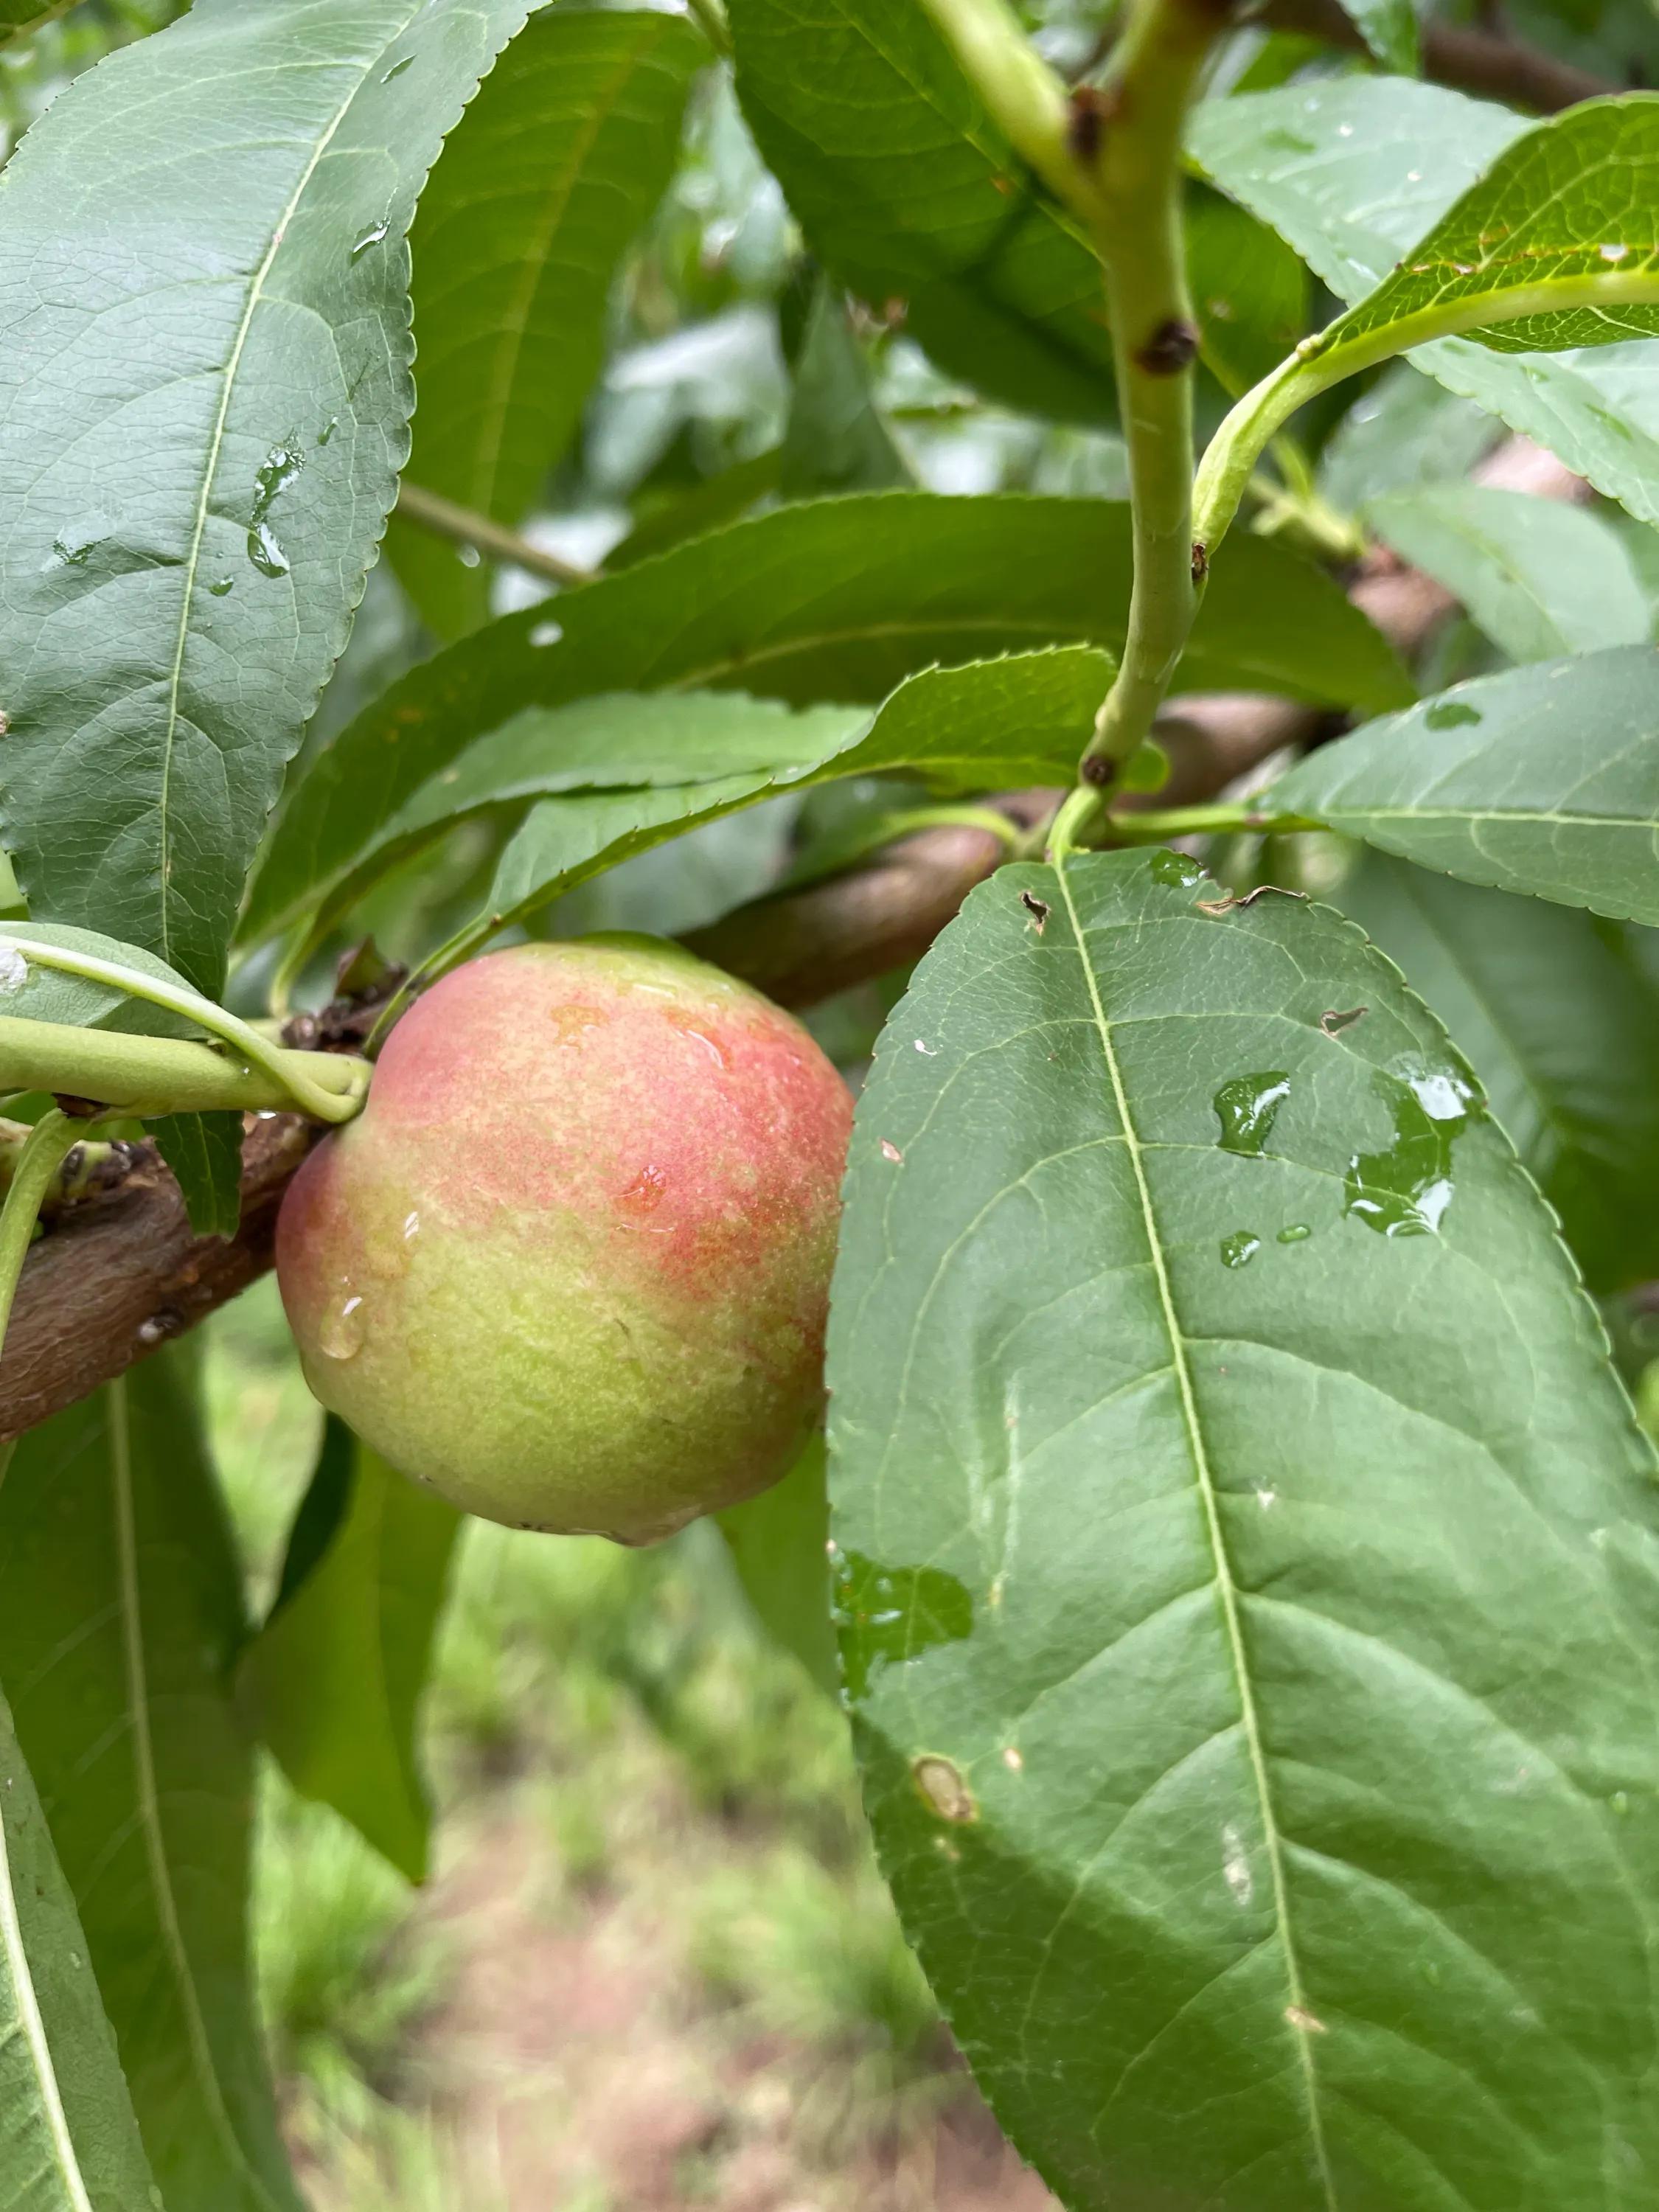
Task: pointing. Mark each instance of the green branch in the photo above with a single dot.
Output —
(48, 1144)
(1114, 156)
(318, 1091)
(1329, 357)
(145, 1075)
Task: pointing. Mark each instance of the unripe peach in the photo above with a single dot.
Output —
(571, 1264)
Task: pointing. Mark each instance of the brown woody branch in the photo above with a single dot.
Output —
(119, 1272)
(1471, 60)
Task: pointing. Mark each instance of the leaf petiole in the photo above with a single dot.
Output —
(312, 1091)
(45, 1148)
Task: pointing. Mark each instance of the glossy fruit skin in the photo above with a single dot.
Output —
(571, 1264)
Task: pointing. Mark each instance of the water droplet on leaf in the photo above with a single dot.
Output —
(1247, 1107)
(222, 586)
(398, 68)
(282, 464)
(469, 557)
(1450, 714)
(1406, 1190)
(14, 970)
(328, 429)
(545, 634)
(1240, 1248)
(1295, 1232)
(373, 236)
(888, 1615)
(1179, 870)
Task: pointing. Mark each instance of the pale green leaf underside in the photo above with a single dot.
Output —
(120, 1608)
(1356, 171)
(1256, 1740)
(67, 2140)
(35, 993)
(827, 600)
(907, 190)
(1543, 780)
(1539, 577)
(1563, 1030)
(204, 389)
(337, 1673)
(550, 175)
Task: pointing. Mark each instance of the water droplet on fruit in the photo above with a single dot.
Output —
(573, 1022)
(940, 1782)
(697, 1037)
(373, 236)
(411, 1226)
(343, 1328)
(545, 634)
(1240, 1248)
(645, 1194)
(1295, 1232)
(1450, 714)
(1179, 870)
(1247, 1107)
(1406, 1190)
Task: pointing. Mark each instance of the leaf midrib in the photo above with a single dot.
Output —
(34, 2034)
(509, 349)
(1226, 1588)
(209, 474)
(148, 1808)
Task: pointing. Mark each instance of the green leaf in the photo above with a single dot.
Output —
(835, 439)
(1244, 1610)
(1249, 288)
(67, 2140)
(1540, 578)
(1541, 780)
(619, 740)
(1389, 29)
(541, 188)
(203, 397)
(120, 1611)
(909, 191)
(1568, 208)
(1020, 720)
(1562, 1030)
(205, 1152)
(18, 18)
(833, 599)
(777, 1542)
(1355, 171)
(32, 991)
(707, 506)
(1405, 431)
(335, 1674)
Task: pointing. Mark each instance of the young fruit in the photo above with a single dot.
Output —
(571, 1264)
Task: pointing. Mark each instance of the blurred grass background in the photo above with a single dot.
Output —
(654, 1967)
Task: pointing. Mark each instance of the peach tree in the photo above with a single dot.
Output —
(1144, 515)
